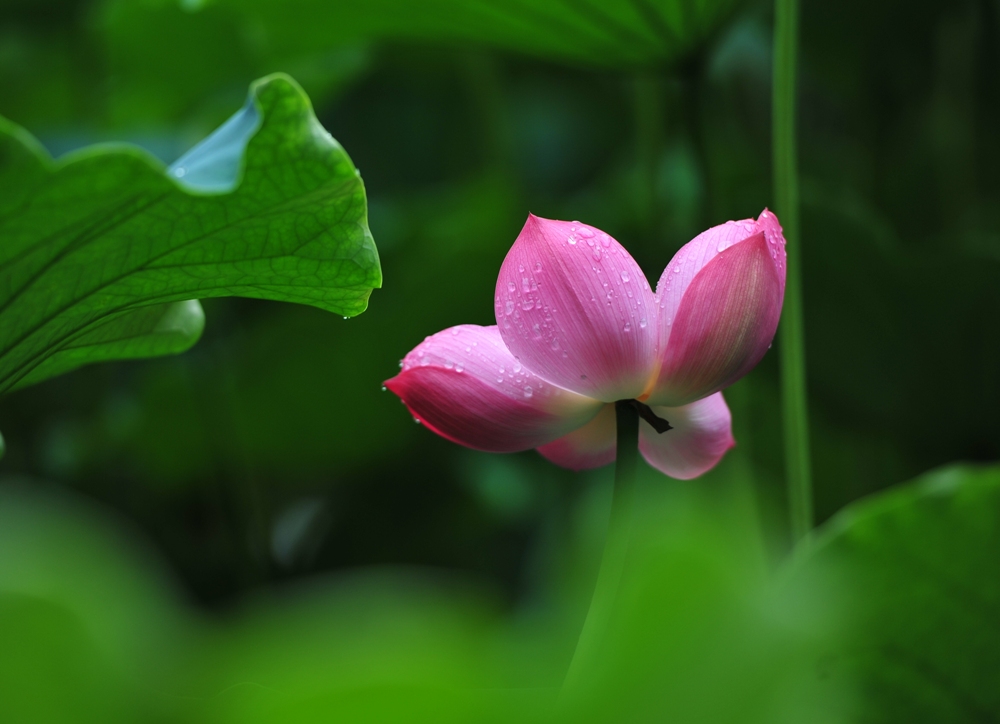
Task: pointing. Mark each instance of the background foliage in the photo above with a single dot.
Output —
(268, 454)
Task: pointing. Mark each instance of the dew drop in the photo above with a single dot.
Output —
(502, 370)
(628, 326)
(597, 253)
(520, 267)
(555, 343)
(528, 391)
(511, 287)
(384, 388)
(459, 368)
(642, 323)
(571, 239)
(586, 233)
(525, 284)
(509, 307)
(624, 276)
(527, 305)
(538, 266)
(605, 241)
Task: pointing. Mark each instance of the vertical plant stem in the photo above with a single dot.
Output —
(616, 543)
(792, 336)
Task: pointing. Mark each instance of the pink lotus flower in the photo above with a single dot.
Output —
(578, 328)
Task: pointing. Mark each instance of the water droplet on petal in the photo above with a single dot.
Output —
(509, 307)
(384, 388)
(555, 343)
(538, 266)
(528, 391)
(585, 232)
(642, 323)
(459, 368)
(628, 326)
(624, 276)
(511, 287)
(527, 305)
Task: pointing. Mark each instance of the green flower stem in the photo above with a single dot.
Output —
(792, 336)
(598, 619)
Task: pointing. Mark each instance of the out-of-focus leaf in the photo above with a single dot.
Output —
(93, 240)
(589, 32)
(703, 632)
(922, 563)
(87, 623)
(598, 33)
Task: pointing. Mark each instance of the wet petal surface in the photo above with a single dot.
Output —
(466, 386)
(720, 301)
(574, 306)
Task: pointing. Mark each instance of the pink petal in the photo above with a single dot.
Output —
(720, 300)
(573, 305)
(466, 386)
(592, 446)
(701, 436)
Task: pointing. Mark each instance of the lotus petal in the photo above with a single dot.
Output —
(575, 308)
(465, 385)
(701, 435)
(720, 300)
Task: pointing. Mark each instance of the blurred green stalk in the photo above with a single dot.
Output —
(792, 335)
(615, 545)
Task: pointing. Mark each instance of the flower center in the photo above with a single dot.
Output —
(647, 414)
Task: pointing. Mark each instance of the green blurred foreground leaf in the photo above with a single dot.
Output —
(704, 635)
(923, 564)
(101, 251)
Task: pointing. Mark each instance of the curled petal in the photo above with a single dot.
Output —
(701, 435)
(573, 305)
(592, 446)
(720, 300)
(466, 386)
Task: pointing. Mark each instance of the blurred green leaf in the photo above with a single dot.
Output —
(92, 241)
(596, 33)
(921, 560)
(588, 32)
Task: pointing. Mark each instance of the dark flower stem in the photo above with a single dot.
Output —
(791, 334)
(616, 543)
